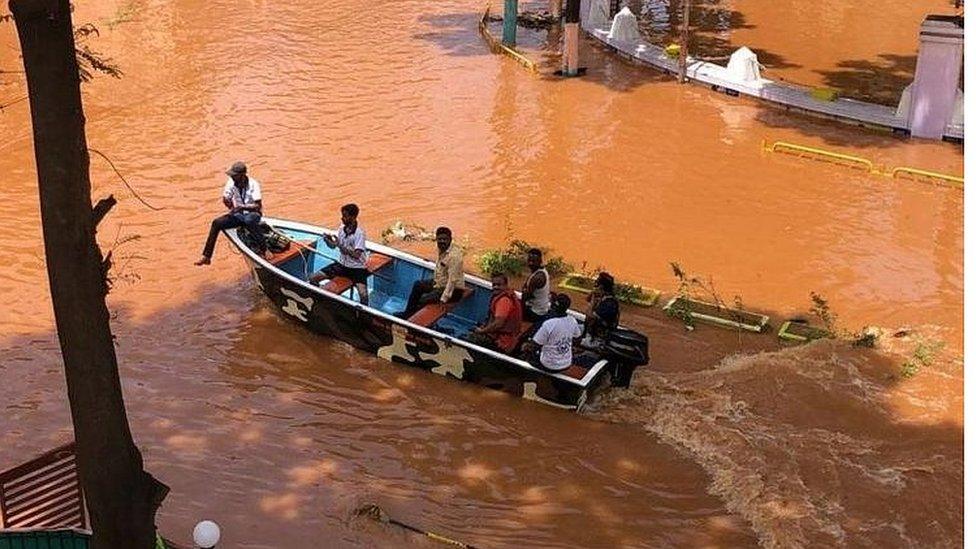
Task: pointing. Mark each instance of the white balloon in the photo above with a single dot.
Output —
(206, 534)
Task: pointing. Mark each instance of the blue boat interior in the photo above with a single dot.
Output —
(390, 285)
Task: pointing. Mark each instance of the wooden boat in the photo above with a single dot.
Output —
(432, 338)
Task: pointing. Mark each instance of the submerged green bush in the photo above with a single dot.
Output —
(511, 260)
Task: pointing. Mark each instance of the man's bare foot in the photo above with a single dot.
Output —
(204, 260)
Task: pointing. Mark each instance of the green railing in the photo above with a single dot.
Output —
(44, 539)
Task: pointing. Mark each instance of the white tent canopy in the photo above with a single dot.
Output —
(624, 28)
(905, 103)
(744, 65)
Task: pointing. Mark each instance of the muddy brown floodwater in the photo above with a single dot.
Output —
(727, 439)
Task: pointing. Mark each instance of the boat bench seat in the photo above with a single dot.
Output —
(374, 263)
(582, 362)
(433, 312)
(575, 371)
(293, 250)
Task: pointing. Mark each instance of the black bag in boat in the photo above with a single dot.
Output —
(268, 239)
(627, 350)
(275, 241)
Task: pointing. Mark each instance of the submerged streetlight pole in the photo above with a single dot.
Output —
(571, 38)
(510, 22)
(683, 55)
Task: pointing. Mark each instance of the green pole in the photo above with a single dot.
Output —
(509, 23)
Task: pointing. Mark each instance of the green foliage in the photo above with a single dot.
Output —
(926, 351)
(680, 309)
(629, 292)
(692, 287)
(624, 291)
(821, 309)
(123, 14)
(511, 260)
(89, 60)
(500, 261)
(866, 337)
(923, 355)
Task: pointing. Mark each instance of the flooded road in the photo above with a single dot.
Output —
(278, 435)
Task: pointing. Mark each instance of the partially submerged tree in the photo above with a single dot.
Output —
(122, 497)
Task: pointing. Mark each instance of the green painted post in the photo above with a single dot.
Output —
(510, 22)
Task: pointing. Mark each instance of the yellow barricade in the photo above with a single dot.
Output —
(923, 173)
(497, 47)
(858, 162)
(800, 150)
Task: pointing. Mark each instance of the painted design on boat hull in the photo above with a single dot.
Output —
(375, 333)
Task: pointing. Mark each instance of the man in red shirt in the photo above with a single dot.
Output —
(502, 330)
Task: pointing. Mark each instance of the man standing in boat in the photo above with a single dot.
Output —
(535, 292)
(351, 241)
(242, 196)
(448, 283)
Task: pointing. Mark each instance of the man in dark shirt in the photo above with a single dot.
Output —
(603, 314)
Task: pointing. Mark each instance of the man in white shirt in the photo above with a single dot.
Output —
(351, 241)
(242, 196)
(554, 339)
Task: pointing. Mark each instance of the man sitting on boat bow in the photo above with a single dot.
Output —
(242, 196)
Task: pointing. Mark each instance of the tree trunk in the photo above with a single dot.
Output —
(122, 498)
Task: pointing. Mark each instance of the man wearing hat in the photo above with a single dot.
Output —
(242, 196)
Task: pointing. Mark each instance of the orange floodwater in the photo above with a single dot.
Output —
(726, 439)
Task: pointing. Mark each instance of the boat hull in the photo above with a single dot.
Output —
(398, 341)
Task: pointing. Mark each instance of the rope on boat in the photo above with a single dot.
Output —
(300, 245)
(376, 513)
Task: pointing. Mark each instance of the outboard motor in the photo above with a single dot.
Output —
(626, 350)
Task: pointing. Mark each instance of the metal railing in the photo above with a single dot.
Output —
(860, 163)
(498, 47)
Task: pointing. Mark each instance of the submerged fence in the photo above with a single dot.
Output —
(497, 47)
(860, 163)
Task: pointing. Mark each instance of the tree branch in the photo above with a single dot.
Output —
(102, 208)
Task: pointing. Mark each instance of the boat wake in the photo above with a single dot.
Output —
(822, 444)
